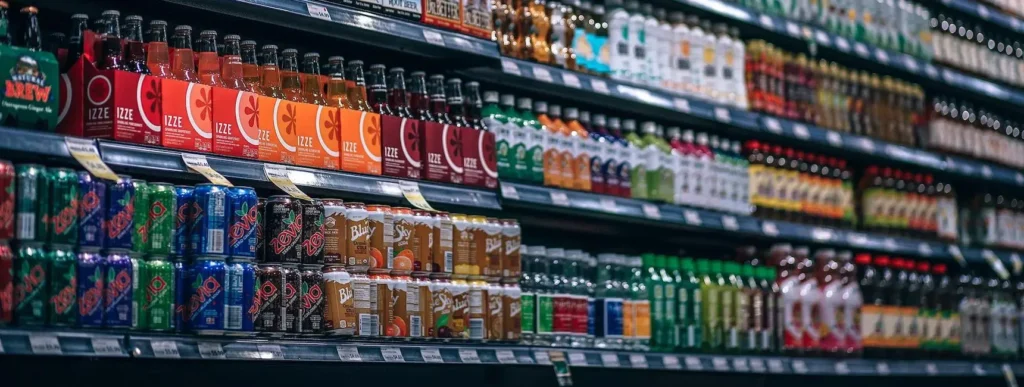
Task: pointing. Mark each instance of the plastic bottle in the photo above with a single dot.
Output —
(621, 54)
(637, 42)
(553, 176)
(638, 173)
(652, 145)
(673, 305)
(604, 153)
(702, 157)
(734, 308)
(689, 312)
(656, 296)
(608, 304)
(789, 281)
(709, 307)
(663, 61)
(651, 43)
(494, 118)
(852, 302)
(831, 283)
(770, 336)
(580, 161)
(623, 169)
(698, 40)
(681, 79)
(752, 302)
(536, 138)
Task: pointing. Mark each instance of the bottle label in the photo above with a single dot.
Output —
(545, 314)
(528, 312)
(643, 319)
(629, 319)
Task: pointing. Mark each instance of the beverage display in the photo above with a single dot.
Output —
(974, 47)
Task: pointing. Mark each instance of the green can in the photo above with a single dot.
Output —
(62, 212)
(62, 306)
(163, 202)
(31, 286)
(140, 238)
(138, 292)
(32, 199)
(158, 304)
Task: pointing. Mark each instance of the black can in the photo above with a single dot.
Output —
(313, 233)
(284, 230)
(312, 299)
(269, 301)
(292, 306)
(261, 242)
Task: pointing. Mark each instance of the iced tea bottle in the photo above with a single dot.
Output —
(311, 88)
(337, 87)
(183, 62)
(398, 99)
(379, 90)
(291, 84)
(250, 66)
(357, 86)
(438, 100)
(231, 71)
(157, 57)
(209, 63)
(112, 55)
(830, 283)
(418, 100)
(135, 57)
(270, 74)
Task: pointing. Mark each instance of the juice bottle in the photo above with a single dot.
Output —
(535, 139)
(874, 279)
(453, 97)
(673, 305)
(926, 314)
(528, 297)
(291, 83)
(553, 175)
(638, 172)
(356, 86)
(604, 154)
(398, 97)
(895, 330)
(337, 87)
(660, 170)
(810, 299)
(157, 58)
(711, 317)
(515, 138)
(642, 308)
(622, 168)
(770, 320)
(656, 295)
(789, 281)
(562, 302)
(566, 145)
(209, 63)
(378, 91)
(752, 327)
(311, 89)
(831, 282)
(111, 52)
(182, 62)
(270, 75)
(701, 173)
(231, 71)
(250, 66)
(580, 138)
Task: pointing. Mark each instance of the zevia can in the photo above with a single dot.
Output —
(7, 283)
(242, 222)
(312, 300)
(140, 216)
(312, 239)
(31, 284)
(283, 230)
(118, 312)
(268, 305)
(63, 302)
(32, 202)
(241, 280)
(158, 287)
(206, 303)
(209, 220)
(120, 214)
(291, 304)
(90, 276)
(183, 220)
(181, 293)
(163, 202)
(92, 196)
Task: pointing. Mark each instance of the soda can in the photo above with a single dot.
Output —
(92, 202)
(161, 220)
(382, 228)
(117, 301)
(241, 276)
(291, 304)
(91, 275)
(339, 302)
(284, 228)
(140, 216)
(242, 222)
(139, 276)
(63, 211)
(6, 284)
(7, 195)
(181, 292)
(261, 240)
(31, 286)
(207, 306)
(182, 219)
(248, 294)
(62, 307)
(120, 213)
(335, 231)
(268, 304)
(312, 237)
(158, 288)
(209, 219)
(312, 300)
(32, 201)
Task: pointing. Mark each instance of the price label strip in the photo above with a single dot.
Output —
(208, 350)
(651, 211)
(638, 360)
(954, 251)
(506, 357)
(44, 344)
(270, 351)
(165, 349)
(431, 355)
(106, 346)
(671, 362)
(577, 358)
(393, 354)
(411, 191)
(469, 356)
(346, 353)
(318, 11)
(433, 37)
(86, 153)
(199, 164)
(278, 175)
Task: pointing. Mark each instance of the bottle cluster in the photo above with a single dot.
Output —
(969, 46)
(960, 127)
(897, 202)
(993, 220)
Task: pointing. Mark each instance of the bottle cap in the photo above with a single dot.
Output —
(181, 28)
(111, 12)
(491, 96)
(377, 66)
(248, 43)
(133, 18)
(232, 37)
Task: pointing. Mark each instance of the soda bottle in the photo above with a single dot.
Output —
(157, 58)
(291, 85)
(311, 79)
(357, 86)
(337, 87)
(474, 106)
(250, 67)
(183, 62)
(135, 57)
(112, 56)
(378, 92)
(438, 101)
(5, 35)
(31, 36)
(76, 40)
(209, 63)
(398, 98)
(418, 100)
(270, 74)
(579, 160)
(454, 100)
(231, 71)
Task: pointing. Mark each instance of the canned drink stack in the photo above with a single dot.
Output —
(209, 221)
(62, 209)
(91, 273)
(62, 306)
(32, 202)
(158, 305)
(31, 284)
(92, 204)
(283, 230)
(243, 220)
(118, 291)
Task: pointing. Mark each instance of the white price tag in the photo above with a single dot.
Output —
(757, 365)
(510, 67)
(199, 164)
(508, 191)
(924, 249)
(866, 145)
(433, 37)
(599, 86)
(766, 22)
(278, 175)
(799, 367)
(805, 32)
(693, 363)
(318, 11)
(542, 357)
(979, 370)
(691, 217)
(911, 64)
(208, 350)
(542, 74)
(801, 132)
(44, 344)
(861, 49)
(931, 369)
(775, 366)
(931, 70)
(722, 115)
(681, 104)
(882, 368)
(571, 80)
(986, 171)
(638, 360)
(671, 362)
(856, 239)
(469, 356)
(165, 349)
(1020, 178)
(739, 364)
(506, 357)
(608, 205)
(651, 211)
(88, 156)
(577, 358)
(105, 346)
(430, 355)
(792, 29)
(821, 234)
(834, 139)
(773, 125)
(889, 244)
(388, 188)
(1015, 23)
(559, 198)
(954, 251)
(346, 353)
(822, 38)
(393, 354)
(983, 12)
(769, 228)
(842, 44)
(842, 368)
(729, 223)
(719, 364)
(411, 191)
(270, 351)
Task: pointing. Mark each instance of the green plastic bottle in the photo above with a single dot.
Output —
(752, 310)
(656, 295)
(711, 304)
(689, 298)
(534, 140)
(670, 274)
(638, 178)
(658, 163)
(518, 140)
(729, 283)
(494, 117)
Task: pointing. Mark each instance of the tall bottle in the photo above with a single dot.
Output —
(270, 74)
(474, 106)
(638, 66)
(638, 174)
(455, 101)
(398, 98)
(112, 57)
(418, 99)
(312, 90)
(438, 100)
(291, 83)
(250, 66)
(231, 72)
(184, 61)
(135, 58)
(209, 63)
(76, 39)
(357, 86)
(5, 33)
(378, 90)
(617, 19)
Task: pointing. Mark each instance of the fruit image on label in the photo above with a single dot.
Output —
(188, 115)
(235, 131)
(147, 101)
(274, 147)
(360, 142)
(318, 136)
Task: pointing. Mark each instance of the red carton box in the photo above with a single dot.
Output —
(479, 158)
(277, 124)
(235, 123)
(400, 138)
(71, 113)
(318, 136)
(442, 145)
(188, 116)
(119, 105)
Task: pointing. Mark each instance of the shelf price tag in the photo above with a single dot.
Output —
(469, 356)
(769, 228)
(1020, 178)
(691, 217)
(508, 191)
(799, 367)
(821, 234)
(278, 175)
(393, 354)
(842, 44)
(822, 38)
(1, 346)
(671, 362)
(571, 80)
(318, 11)
(979, 370)
(866, 145)
(931, 70)
(766, 22)
(722, 115)
(542, 74)
(165, 349)
(801, 132)
(924, 249)
(834, 139)
(86, 153)
(889, 244)
(430, 355)
(931, 369)
(542, 357)
(599, 86)
(346, 353)
(411, 191)
(954, 251)
(983, 12)
(199, 164)
(719, 364)
(609, 205)
(208, 350)
(792, 29)
(638, 360)
(577, 358)
(773, 125)
(693, 363)
(729, 223)
(681, 104)
(757, 365)
(433, 37)
(651, 211)
(1016, 263)
(559, 198)
(44, 344)
(775, 366)
(739, 364)
(882, 368)
(270, 351)
(861, 49)
(105, 346)
(997, 264)
(510, 67)
(842, 368)
(986, 171)
(506, 357)
(882, 56)
(911, 64)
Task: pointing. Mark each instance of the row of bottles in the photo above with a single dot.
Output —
(897, 202)
(957, 126)
(970, 46)
(825, 94)
(993, 220)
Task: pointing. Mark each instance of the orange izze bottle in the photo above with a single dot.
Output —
(231, 73)
(270, 75)
(311, 79)
(183, 64)
(209, 63)
(250, 66)
(157, 58)
(337, 87)
(357, 86)
(291, 84)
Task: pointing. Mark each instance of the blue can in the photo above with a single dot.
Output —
(241, 280)
(243, 205)
(119, 220)
(182, 291)
(207, 304)
(117, 300)
(91, 272)
(92, 203)
(182, 219)
(209, 220)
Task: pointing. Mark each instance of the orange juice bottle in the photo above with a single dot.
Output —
(565, 148)
(209, 63)
(337, 87)
(291, 84)
(552, 173)
(270, 74)
(581, 157)
(311, 79)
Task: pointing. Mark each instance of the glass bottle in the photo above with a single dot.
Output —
(270, 74)
(209, 63)
(438, 101)
(311, 87)
(357, 86)
(291, 84)
(231, 71)
(418, 100)
(135, 57)
(398, 98)
(184, 61)
(378, 90)
(337, 87)
(112, 56)
(250, 66)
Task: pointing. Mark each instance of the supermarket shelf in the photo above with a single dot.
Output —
(353, 25)
(987, 13)
(169, 346)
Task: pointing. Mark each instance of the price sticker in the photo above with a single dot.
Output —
(506, 357)
(986, 171)
(651, 211)
(834, 139)
(866, 145)
(882, 56)
(805, 32)
(542, 357)
(571, 80)
(792, 29)
(394, 354)
(508, 191)
(165, 349)
(931, 369)
(691, 217)
(542, 74)
(599, 86)
(842, 44)
(105, 346)
(270, 351)
(559, 198)
(469, 356)
(799, 367)
(510, 67)
(199, 164)
(86, 153)
(861, 49)
(608, 205)
(882, 368)
(729, 223)
(318, 11)
(954, 251)
(924, 249)
(1015, 23)
(693, 363)
(346, 353)
(822, 38)
(775, 366)
(719, 364)
(208, 350)
(856, 239)
(766, 22)
(739, 364)
(433, 37)
(722, 115)
(411, 191)
(671, 362)
(931, 70)
(757, 365)
(801, 132)
(278, 175)
(44, 344)
(996, 263)
(842, 368)
(889, 244)
(681, 104)
(773, 125)
(769, 228)
(911, 64)
(577, 358)
(430, 355)
(638, 360)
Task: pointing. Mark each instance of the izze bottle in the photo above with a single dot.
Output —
(209, 63)
(250, 66)
(337, 88)
(231, 71)
(270, 74)
(183, 63)
(136, 57)
(112, 57)
(311, 79)
(378, 92)
(157, 58)
(291, 85)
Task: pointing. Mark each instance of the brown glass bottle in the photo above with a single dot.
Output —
(135, 56)
(291, 83)
(231, 71)
(311, 89)
(337, 86)
(250, 66)
(378, 90)
(357, 86)
(418, 100)
(758, 174)
(438, 101)
(456, 109)
(474, 105)
(112, 56)
(398, 98)
(270, 74)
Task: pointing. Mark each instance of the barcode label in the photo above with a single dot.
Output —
(234, 317)
(448, 265)
(366, 322)
(476, 328)
(215, 239)
(415, 327)
(26, 226)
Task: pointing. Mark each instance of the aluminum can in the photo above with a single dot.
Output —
(31, 284)
(312, 239)
(209, 220)
(339, 302)
(283, 230)
(119, 219)
(62, 306)
(32, 202)
(311, 295)
(90, 277)
(159, 294)
(208, 296)
(117, 300)
(242, 222)
(241, 276)
(92, 204)
(268, 304)
(163, 202)
(182, 291)
(6, 283)
(261, 239)
(140, 216)
(7, 195)
(182, 219)
(335, 231)
(292, 306)
(63, 206)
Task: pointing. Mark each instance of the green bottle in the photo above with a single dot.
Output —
(729, 283)
(532, 169)
(656, 295)
(689, 298)
(711, 305)
(643, 305)
(638, 179)
(495, 119)
(750, 325)
(658, 163)
(670, 274)
(518, 141)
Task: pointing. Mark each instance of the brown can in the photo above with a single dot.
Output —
(358, 237)
(382, 228)
(339, 309)
(477, 322)
(398, 326)
(441, 304)
(311, 299)
(380, 300)
(492, 249)
(422, 237)
(335, 231)
(478, 260)
(418, 306)
(404, 232)
(495, 309)
(511, 309)
(459, 320)
(441, 258)
(511, 238)
(462, 236)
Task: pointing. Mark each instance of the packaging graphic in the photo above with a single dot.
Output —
(401, 141)
(71, 112)
(30, 83)
(443, 13)
(403, 9)
(236, 123)
(278, 130)
(319, 136)
(119, 105)
(476, 18)
(442, 145)
(360, 142)
(188, 115)
(479, 158)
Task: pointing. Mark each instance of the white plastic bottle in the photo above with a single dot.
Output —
(637, 43)
(618, 40)
(652, 47)
(664, 63)
(739, 72)
(723, 92)
(679, 54)
(696, 55)
(708, 60)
